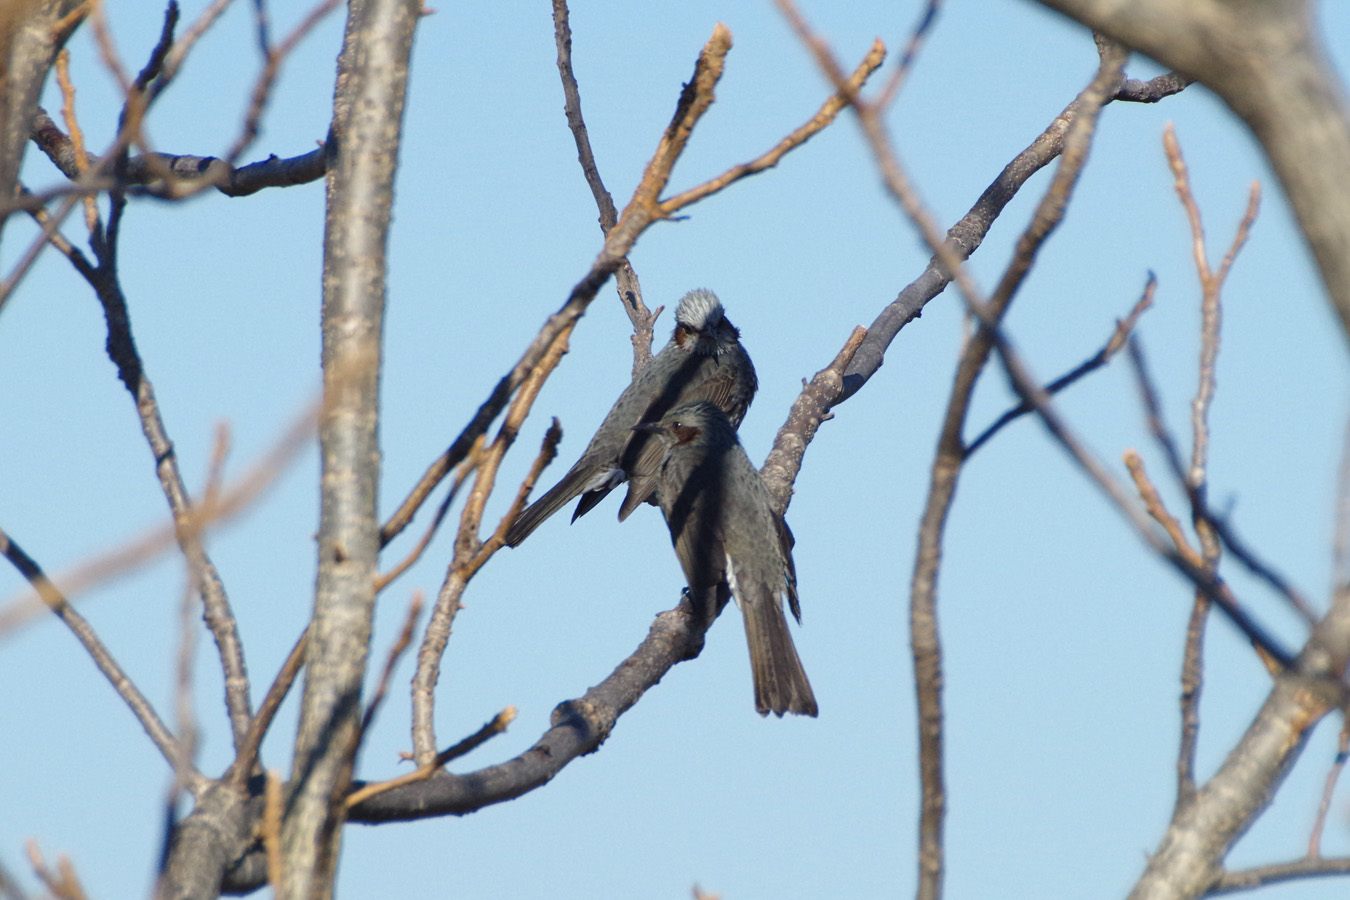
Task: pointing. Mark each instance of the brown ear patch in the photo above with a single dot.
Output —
(685, 433)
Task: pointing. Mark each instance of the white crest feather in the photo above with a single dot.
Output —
(699, 309)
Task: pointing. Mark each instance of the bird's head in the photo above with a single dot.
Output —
(687, 424)
(701, 325)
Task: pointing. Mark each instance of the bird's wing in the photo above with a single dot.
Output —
(644, 476)
(785, 544)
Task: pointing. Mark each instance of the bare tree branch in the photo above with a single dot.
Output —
(630, 291)
(496, 726)
(1268, 63)
(30, 38)
(924, 638)
(1124, 328)
(84, 633)
(845, 92)
(917, 36)
(63, 883)
(1329, 788)
(246, 759)
(1262, 876)
(811, 407)
(368, 111)
(1200, 512)
(471, 553)
(167, 174)
(122, 350)
(262, 89)
(643, 209)
(1153, 90)
(232, 499)
(578, 727)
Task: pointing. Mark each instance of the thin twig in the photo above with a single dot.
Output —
(396, 652)
(63, 883)
(493, 728)
(140, 707)
(262, 88)
(845, 92)
(626, 280)
(154, 66)
(1157, 510)
(1329, 789)
(1209, 582)
(143, 548)
(1124, 328)
(1200, 511)
(66, 25)
(1261, 876)
(73, 254)
(562, 36)
(184, 717)
(548, 450)
(263, 26)
(112, 60)
(246, 758)
(927, 19)
(1192, 686)
(471, 553)
(1192, 666)
(176, 56)
(72, 121)
(465, 468)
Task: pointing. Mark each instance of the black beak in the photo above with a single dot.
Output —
(647, 427)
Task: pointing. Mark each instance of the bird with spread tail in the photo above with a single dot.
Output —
(730, 541)
(703, 360)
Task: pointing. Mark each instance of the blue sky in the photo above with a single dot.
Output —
(1062, 635)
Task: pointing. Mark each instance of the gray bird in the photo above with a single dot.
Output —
(729, 540)
(703, 360)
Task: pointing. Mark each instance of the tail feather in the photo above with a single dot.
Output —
(781, 685)
(588, 500)
(591, 481)
(554, 499)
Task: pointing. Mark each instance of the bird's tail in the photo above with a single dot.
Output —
(780, 681)
(579, 480)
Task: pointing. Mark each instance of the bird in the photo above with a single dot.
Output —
(731, 541)
(703, 360)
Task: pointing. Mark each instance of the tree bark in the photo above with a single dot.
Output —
(368, 112)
